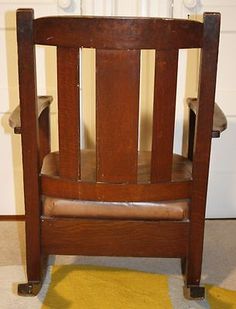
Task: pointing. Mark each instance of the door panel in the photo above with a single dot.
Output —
(11, 176)
(222, 179)
(120, 8)
(226, 83)
(10, 163)
(221, 201)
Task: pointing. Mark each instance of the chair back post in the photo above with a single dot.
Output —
(203, 136)
(29, 137)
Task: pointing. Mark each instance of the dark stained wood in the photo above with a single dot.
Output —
(117, 115)
(182, 167)
(44, 134)
(191, 134)
(14, 119)
(201, 154)
(114, 237)
(29, 138)
(63, 188)
(219, 119)
(118, 33)
(68, 112)
(12, 217)
(164, 115)
(219, 122)
(119, 41)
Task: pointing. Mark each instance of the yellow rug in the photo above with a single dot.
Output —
(219, 298)
(93, 287)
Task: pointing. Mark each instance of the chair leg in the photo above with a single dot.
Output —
(35, 261)
(194, 292)
(35, 279)
(183, 265)
(192, 266)
(192, 289)
(29, 289)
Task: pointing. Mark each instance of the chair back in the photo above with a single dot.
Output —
(118, 43)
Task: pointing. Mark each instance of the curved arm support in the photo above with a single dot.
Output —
(219, 119)
(14, 119)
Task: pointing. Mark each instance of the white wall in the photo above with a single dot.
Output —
(222, 193)
(221, 201)
(10, 163)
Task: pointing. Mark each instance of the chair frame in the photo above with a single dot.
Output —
(46, 236)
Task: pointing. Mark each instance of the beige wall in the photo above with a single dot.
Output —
(10, 163)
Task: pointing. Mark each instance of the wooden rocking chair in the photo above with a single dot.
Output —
(116, 200)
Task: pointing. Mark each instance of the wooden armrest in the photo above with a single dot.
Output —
(14, 119)
(219, 119)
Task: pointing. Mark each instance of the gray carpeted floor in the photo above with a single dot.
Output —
(219, 263)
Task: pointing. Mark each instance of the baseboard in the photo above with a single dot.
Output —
(220, 219)
(12, 217)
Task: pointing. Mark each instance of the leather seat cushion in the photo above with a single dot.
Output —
(54, 207)
(166, 210)
(181, 167)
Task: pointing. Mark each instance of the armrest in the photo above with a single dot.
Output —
(14, 119)
(219, 119)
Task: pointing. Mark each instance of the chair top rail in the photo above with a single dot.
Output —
(118, 32)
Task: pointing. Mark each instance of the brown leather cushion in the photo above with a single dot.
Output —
(181, 167)
(167, 210)
(90, 209)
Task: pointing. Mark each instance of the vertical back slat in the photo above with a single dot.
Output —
(164, 115)
(68, 112)
(117, 89)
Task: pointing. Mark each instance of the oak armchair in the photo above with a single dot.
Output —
(116, 200)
